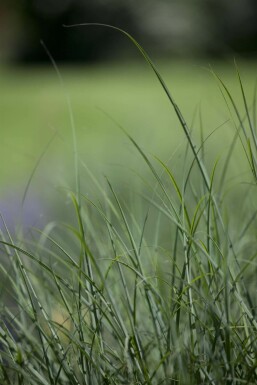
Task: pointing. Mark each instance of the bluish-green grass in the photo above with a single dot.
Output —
(148, 274)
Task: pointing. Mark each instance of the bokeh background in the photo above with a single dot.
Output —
(102, 72)
(166, 27)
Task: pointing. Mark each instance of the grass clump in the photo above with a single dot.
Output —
(163, 294)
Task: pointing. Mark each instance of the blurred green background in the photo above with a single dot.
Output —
(103, 73)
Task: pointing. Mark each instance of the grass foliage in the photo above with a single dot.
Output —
(157, 291)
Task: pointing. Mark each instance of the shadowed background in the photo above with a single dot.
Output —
(182, 28)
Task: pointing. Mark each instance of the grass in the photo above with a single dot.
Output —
(153, 283)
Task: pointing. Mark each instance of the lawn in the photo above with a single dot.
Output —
(33, 105)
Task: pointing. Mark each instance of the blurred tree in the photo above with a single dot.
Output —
(45, 19)
(241, 30)
(167, 27)
(233, 25)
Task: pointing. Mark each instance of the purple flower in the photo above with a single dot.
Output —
(20, 216)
